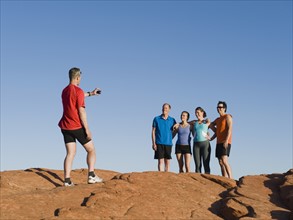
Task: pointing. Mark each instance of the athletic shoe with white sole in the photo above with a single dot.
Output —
(68, 184)
(94, 179)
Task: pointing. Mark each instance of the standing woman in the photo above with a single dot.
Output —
(201, 144)
(183, 148)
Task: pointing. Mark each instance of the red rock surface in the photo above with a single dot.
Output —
(38, 194)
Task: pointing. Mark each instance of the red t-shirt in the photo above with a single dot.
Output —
(72, 100)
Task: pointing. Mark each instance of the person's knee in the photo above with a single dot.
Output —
(89, 147)
(221, 162)
(224, 160)
(91, 150)
(70, 149)
(161, 161)
(71, 154)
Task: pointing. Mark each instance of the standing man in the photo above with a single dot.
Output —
(222, 127)
(162, 135)
(74, 126)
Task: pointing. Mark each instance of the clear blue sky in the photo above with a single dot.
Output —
(142, 54)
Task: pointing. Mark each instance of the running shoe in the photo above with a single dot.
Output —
(94, 179)
(68, 184)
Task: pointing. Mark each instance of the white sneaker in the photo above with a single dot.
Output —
(94, 179)
(69, 184)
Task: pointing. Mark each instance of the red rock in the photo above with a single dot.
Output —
(38, 194)
(287, 190)
(233, 209)
(260, 195)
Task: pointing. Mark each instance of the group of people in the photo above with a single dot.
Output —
(165, 128)
(74, 126)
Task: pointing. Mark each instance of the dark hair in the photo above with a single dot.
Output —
(201, 109)
(224, 104)
(166, 104)
(186, 113)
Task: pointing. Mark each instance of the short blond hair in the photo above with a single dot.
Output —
(73, 73)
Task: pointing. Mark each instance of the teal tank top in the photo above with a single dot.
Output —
(200, 131)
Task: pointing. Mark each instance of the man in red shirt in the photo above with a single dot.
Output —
(74, 126)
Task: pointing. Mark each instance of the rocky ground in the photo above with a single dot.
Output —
(38, 193)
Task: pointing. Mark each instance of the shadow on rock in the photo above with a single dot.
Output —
(42, 172)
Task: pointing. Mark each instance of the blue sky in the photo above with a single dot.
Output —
(142, 54)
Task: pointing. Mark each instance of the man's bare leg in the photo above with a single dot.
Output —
(70, 153)
(91, 155)
(161, 164)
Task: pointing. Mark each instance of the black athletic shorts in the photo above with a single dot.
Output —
(72, 135)
(221, 151)
(163, 151)
(182, 149)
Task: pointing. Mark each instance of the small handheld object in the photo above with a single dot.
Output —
(99, 91)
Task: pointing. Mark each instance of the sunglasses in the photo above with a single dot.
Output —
(220, 107)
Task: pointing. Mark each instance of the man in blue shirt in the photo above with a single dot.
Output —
(162, 135)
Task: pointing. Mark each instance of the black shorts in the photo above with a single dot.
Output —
(72, 135)
(221, 151)
(163, 151)
(183, 149)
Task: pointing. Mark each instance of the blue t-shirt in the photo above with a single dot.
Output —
(201, 131)
(183, 135)
(164, 129)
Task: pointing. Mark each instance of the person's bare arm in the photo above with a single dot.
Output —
(175, 130)
(192, 122)
(192, 129)
(83, 118)
(154, 139)
(208, 122)
(229, 125)
(212, 126)
(96, 91)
